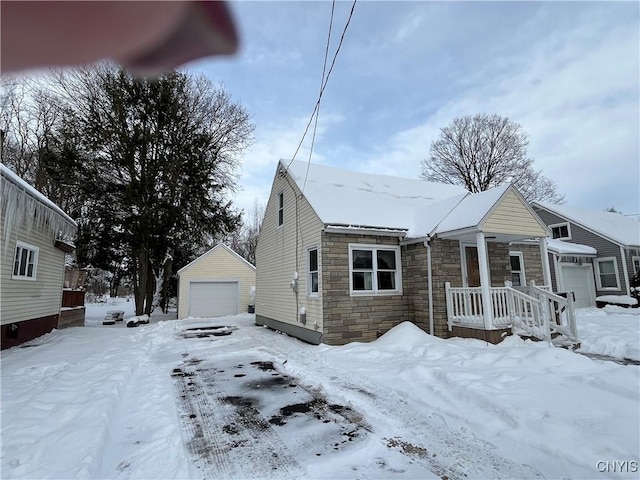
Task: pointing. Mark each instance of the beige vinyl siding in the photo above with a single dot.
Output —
(218, 264)
(29, 299)
(511, 216)
(276, 258)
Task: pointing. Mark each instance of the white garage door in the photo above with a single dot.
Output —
(579, 279)
(213, 299)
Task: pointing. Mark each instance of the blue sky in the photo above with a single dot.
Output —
(567, 72)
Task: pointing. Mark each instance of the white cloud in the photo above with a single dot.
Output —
(275, 141)
(575, 93)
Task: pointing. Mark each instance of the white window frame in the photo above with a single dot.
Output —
(374, 249)
(615, 267)
(310, 272)
(280, 209)
(563, 224)
(635, 262)
(20, 246)
(521, 272)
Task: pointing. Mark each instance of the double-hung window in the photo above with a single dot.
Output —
(607, 276)
(312, 271)
(374, 270)
(517, 269)
(636, 264)
(25, 263)
(561, 231)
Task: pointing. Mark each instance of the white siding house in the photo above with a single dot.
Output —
(34, 234)
(217, 283)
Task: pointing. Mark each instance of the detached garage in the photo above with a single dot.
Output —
(573, 271)
(215, 284)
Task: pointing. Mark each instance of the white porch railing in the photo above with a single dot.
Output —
(559, 310)
(532, 311)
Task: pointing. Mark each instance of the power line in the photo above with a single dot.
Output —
(326, 81)
(324, 68)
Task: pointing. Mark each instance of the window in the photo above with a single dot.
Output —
(607, 274)
(280, 208)
(517, 269)
(26, 262)
(561, 231)
(312, 271)
(636, 264)
(374, 269)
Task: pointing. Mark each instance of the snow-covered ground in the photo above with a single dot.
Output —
(611, 330)
(241, 401)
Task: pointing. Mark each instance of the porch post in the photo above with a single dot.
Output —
(546, 270)
(485, 286)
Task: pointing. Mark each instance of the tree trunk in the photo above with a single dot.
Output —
(141, 280)
(114, 285)
(164, 293)
(150, 289)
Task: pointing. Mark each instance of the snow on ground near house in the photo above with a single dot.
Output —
(617, 299)
(95, 312)
(241, 401)
(611, 330)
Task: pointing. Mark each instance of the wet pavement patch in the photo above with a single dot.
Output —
(258, 421)
(608, 358)
(264, 366)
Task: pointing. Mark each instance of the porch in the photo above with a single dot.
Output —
(530, 311)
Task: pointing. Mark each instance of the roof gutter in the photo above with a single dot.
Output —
(359, 230)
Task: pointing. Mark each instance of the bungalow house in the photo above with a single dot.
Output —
(34, 233)
(345, 256)
(614, 242)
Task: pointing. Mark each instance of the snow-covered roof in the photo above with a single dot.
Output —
(356, 199)
(22, 204)
(471, 210)
(210, 251)
(614, 226)
(31, 191)
(567, 248)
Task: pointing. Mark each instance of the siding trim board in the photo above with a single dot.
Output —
(305, 334)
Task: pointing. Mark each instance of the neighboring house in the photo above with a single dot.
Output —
(345, 256)
(217, 283)
(571, 266)
(615, 243)
(34, 233)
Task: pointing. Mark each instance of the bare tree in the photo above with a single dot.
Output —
(244, 240)
(484, 151)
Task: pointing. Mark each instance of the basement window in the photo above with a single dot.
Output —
(25, 262)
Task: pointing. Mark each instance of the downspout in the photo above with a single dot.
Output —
(625, 271)
(427, 244)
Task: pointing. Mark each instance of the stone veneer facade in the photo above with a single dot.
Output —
(532, 262)
(354, 319)
(364, 318)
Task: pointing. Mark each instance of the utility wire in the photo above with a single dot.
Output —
(326, 81)
(324, 68)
